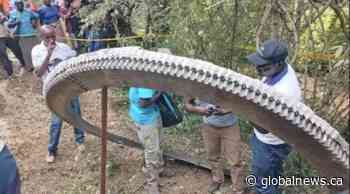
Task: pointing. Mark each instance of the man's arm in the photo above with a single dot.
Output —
(148, 102)
(191, 106)
(12, 21)
(34, 18)
(44, 66)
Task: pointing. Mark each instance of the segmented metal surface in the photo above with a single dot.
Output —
(289, 119)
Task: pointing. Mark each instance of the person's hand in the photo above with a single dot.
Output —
(220, 111)
(50, 47)
(204, 111)
(2, 18)
(144, 103)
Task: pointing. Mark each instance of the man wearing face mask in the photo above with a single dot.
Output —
(269, 151)
(46, 56)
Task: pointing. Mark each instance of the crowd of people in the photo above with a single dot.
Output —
(220, 130)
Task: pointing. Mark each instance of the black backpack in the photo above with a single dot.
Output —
(169, 111)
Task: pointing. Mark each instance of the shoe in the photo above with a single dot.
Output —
(214, 186)
(81, 148)
(167, 173)
(9, 78)
(22, 71)
(50, 158)
(80, 151)
(31, 69)
(152, 189)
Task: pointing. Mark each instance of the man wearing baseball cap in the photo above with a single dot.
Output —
(269, 151)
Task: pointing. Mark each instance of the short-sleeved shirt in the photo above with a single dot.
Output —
(61, 52)
(49, 14)
(219, 121)
(25, 17)
(139, 115)
(286, 83)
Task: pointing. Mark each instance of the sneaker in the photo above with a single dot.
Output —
(214, 186)
(9, 77)
(79, 152)
(81, 148)
(50, 158)
(22, 71)
(31, 69)
(152, 189)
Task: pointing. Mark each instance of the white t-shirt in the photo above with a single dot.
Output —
(61, 52)
(289, 86)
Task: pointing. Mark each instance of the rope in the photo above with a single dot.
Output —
(305, 55)
(101, 39)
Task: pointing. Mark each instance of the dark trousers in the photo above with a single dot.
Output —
(267, 161)
(56, 125)
(10, 182)
(13, 45)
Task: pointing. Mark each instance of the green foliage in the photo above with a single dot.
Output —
(223, 32)
(210, 31)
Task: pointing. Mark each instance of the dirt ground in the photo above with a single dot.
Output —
(25, 117)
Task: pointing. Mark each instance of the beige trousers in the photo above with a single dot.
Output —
(223, 143)
(149, 136)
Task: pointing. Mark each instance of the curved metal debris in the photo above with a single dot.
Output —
(292, 121)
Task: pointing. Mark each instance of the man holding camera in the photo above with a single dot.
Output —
(222, 140)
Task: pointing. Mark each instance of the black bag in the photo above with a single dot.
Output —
(169, 112)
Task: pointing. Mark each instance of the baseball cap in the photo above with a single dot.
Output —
(271, 52)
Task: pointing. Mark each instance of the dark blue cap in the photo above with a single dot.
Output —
(271, 52)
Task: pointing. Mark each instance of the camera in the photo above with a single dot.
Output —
(211, 109)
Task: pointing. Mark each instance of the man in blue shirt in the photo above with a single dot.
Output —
(48, 14)
(25, 20)
(145, 113)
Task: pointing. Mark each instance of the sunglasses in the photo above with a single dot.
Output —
(264, 67)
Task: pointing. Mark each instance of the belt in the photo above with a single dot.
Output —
(222, 114)
(261, 130)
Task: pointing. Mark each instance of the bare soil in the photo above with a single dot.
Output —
(25, 117)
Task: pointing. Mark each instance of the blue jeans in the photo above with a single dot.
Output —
(56, 125)
(267, 161)
(10, 182)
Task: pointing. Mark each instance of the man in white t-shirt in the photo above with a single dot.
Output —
(269, 151)
(45, 57)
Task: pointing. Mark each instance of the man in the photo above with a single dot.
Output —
(6, 41)
(26, 22)
(222, 138)
(145, 113)
(45, 57)
(48, 13)
(269, 151)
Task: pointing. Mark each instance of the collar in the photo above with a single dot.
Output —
(276, 78)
